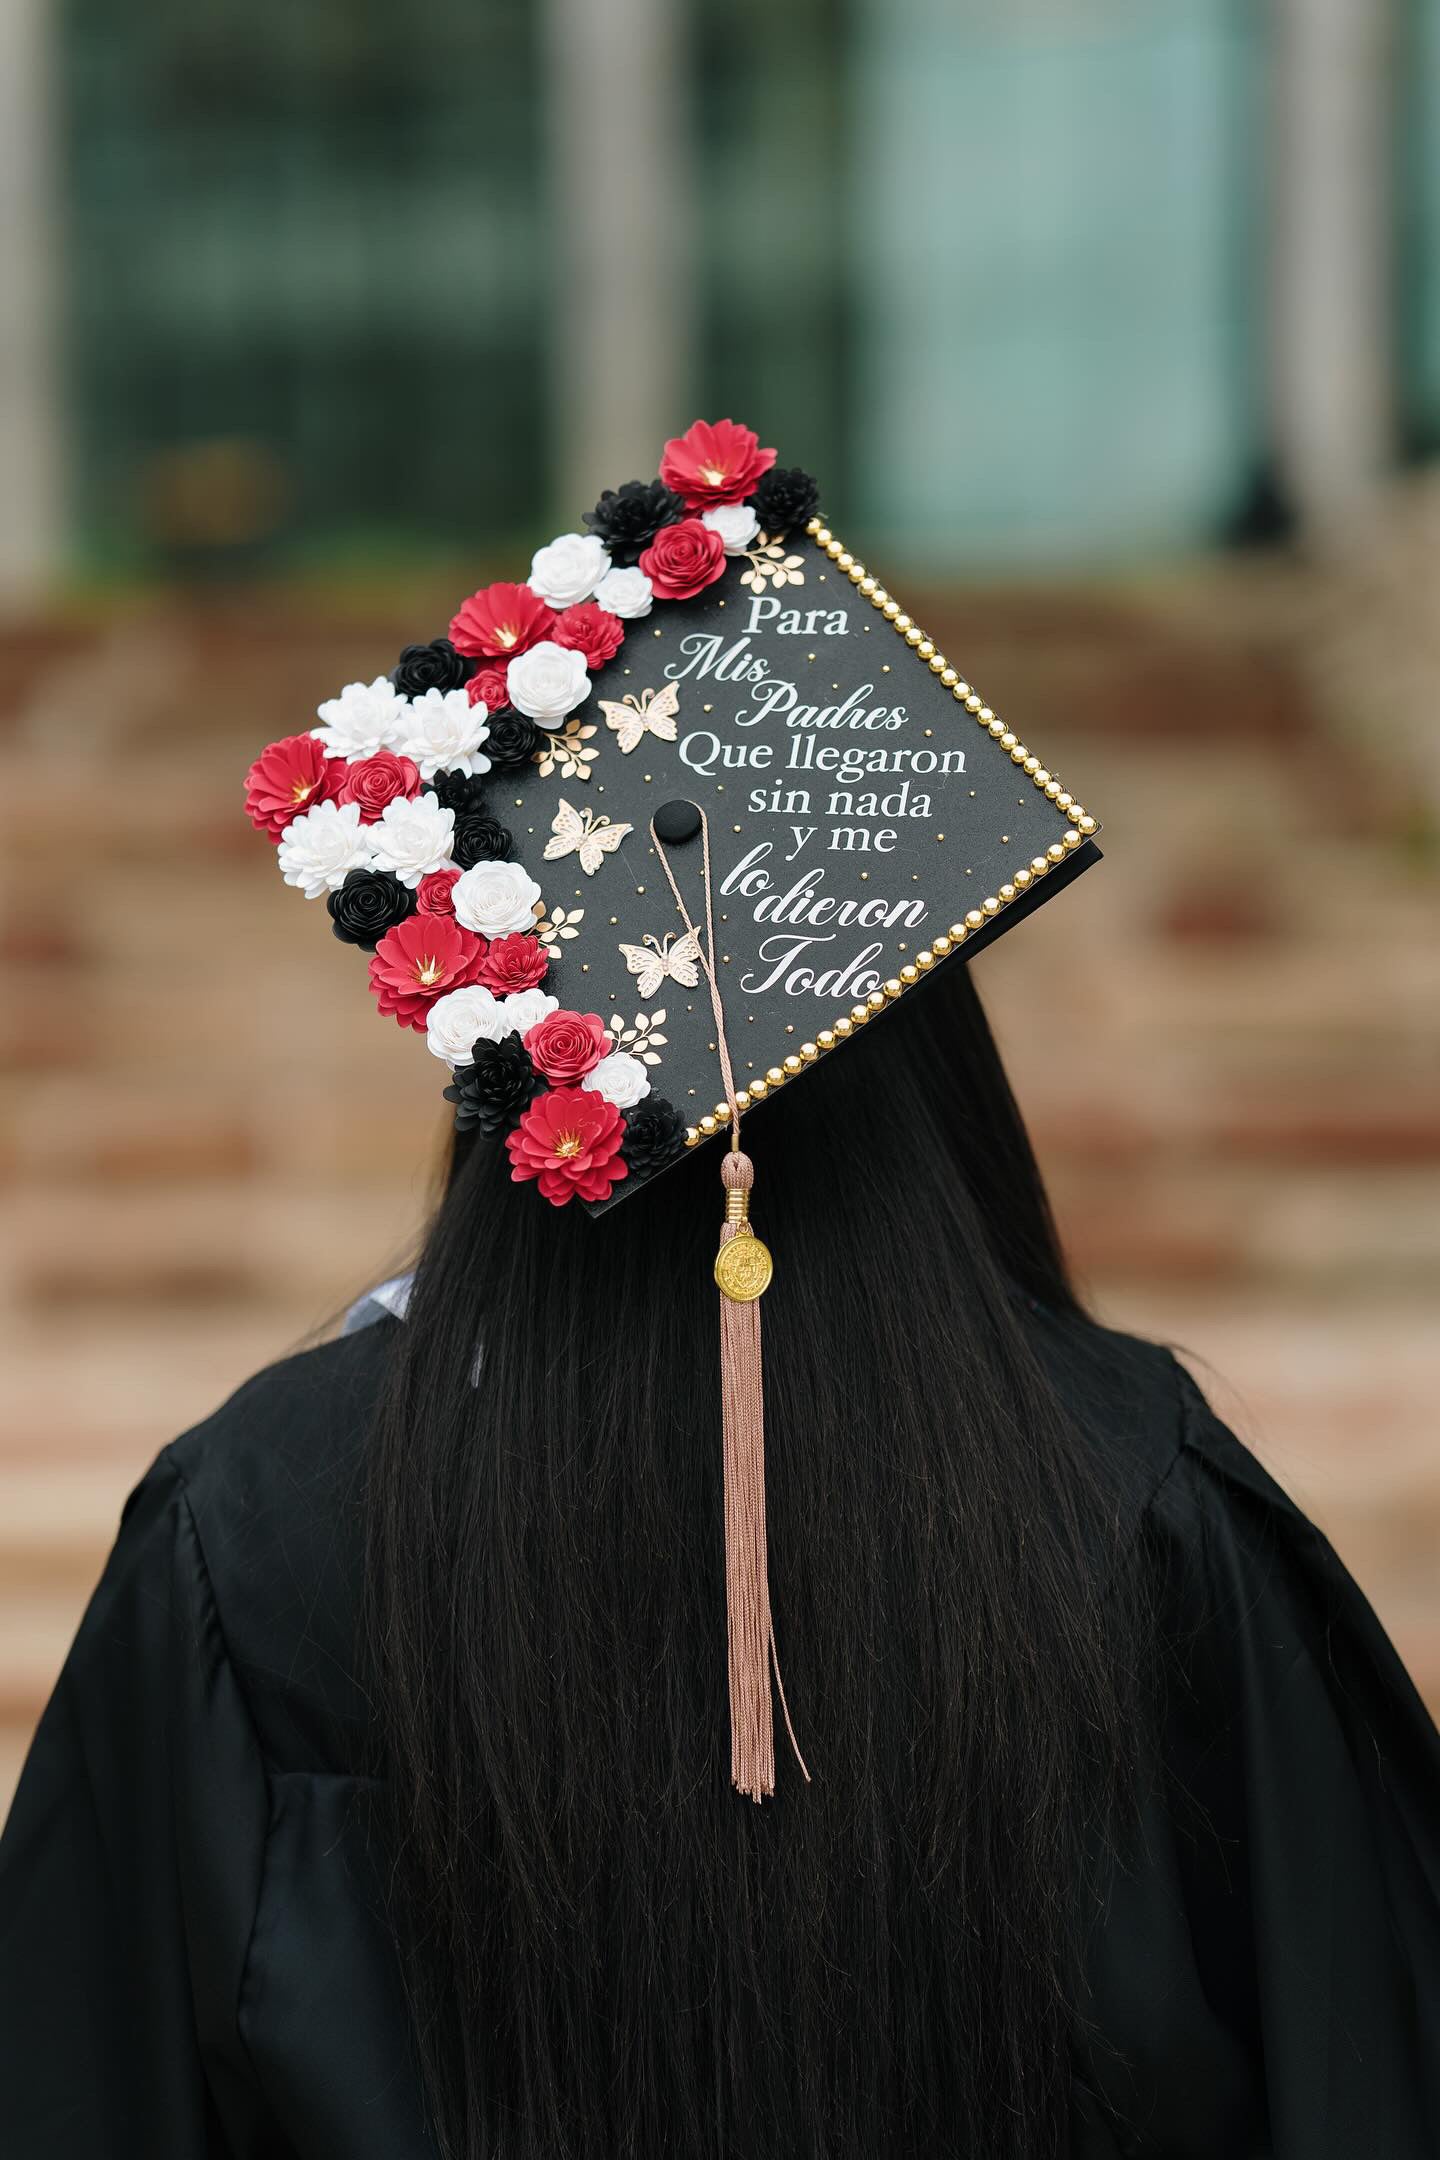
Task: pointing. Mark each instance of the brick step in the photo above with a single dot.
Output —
(37, 1627)
(209, 1127)
(14, 1742)
(211, 1119)
(144, 1377)
(208, 1244)
(1207, 1221)
(55, 1519)
(203, 1245)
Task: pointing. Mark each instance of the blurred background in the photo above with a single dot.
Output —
(1112, 329)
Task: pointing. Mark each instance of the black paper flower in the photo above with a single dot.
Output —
(436, 666)
(492, 1092)
(479, 838)
(627, 518)
(458, 791)
(654, 1135)
(369, 903)
(785, 501)
(512, 741)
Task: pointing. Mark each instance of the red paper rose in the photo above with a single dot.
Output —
(286, 778)
(683, 559)
(591, 630)
(490, 687)
(374, 781)
(569, 1139)
(564, 1046)
(714, 462)
(501, 619)
(418, 961)
(432, 894)
(516, 962)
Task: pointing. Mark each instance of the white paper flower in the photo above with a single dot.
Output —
(413, 837)
(321, 845)
(626, 593)
(548, 682)
(444, 731)
(569, 569)
(620, 1078)
(460, 1019)
(527, 1008)
(366, 717)
(495, 898)
(736, 524)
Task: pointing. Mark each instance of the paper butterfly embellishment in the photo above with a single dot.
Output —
(580, 832)
(652, 961)
(652, 713)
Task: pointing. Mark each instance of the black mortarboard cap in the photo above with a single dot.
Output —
(871, 820)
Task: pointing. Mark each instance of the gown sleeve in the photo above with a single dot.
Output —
(1269, 1970)
(129, 1873)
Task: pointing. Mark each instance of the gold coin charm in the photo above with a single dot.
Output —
(743, 1268)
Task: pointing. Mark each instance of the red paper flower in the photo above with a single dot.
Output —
(564, 1046)
(374, 781)
(516, 962)
(714, 462)
(432, 894)
(683, 559)
(569, 1139)
(501, 620)
(418, 961)
(591, 630)
(289, 777)
(490, 687)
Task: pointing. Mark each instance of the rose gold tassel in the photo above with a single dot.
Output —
(743, 1269)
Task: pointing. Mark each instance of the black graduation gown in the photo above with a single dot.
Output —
(192, 1961)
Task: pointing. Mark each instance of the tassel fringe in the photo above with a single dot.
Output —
(747, 1580)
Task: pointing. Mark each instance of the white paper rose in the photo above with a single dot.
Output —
(495, 898)
(319, 847)
(527, 1008)
(569, 569)
(366, 717)
(620, 1078)
(626, 593)
(444, 732)
(413, 837)
(460, 1019)
(736, 524)
(548, 682)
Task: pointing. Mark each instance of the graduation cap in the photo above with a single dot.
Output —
(870, 819)
(649, 836)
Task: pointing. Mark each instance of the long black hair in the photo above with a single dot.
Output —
(607, 1951)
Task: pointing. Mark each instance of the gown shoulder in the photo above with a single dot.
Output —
(273, 1483)
(193, 1957)
(1265, 1966)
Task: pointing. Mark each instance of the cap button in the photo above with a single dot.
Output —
(677, 821)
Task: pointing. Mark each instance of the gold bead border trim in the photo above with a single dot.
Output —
(1079, 827)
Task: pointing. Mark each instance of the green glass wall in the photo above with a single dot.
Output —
(305, 276)
(1056, 219)
(993, 267)
(1418, 175)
